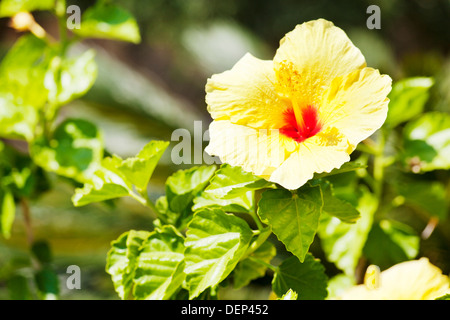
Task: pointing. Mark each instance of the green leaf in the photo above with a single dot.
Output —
(229, 182)
(407, 99)
(139, 169)
(159, 268)
(7, 214)
(9, 8)
(47, 283)
(399, 242)
(184, 185)
(427, 142)
(289, 295)
(346, 167)
(41, 250)
(249, 269)
(336, 207)
(122, 259)
(242, 203)
(22, 90)
(444, 297)
(116, 177)
(294, 217)
(215, 242)
(425, 196)
(307, 279)
(75, 150)
(109, 22)
(342, 242)
(68, 79)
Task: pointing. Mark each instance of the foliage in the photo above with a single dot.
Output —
(214, 225)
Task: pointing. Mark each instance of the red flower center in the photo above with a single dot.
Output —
(308, 127)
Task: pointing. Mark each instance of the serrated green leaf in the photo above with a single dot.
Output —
(307, 279)
(336, 207)
(160, 266)
(184, 185)
(427, 142)
(248, 269)
(9, 8)
(289, 295)
(407, 99)
(342, 242)
(108, 21)
(399, 242)
(241, 203)
(122, 258)
(116, 177)
(215, 241)
(75, 150)
(139, 169)
(7, 214)
(294, 216)
(229, 182)
(346, 167)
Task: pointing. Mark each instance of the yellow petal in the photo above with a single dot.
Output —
(410, 280)
(259, 151)
(319, 52)
(356, 104)
(414, 280)
(245, 95)
(321, 153)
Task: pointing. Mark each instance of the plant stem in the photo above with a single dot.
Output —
(268, 265)
(27, 220)
(378, 166)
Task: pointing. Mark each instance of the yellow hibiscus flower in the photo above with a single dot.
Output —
(411, 280)
(303, 112)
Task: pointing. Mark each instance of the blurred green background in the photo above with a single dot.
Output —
(146, 91)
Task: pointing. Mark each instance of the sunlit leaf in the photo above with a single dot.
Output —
(294, 216)
(69, 78)
(215, 241)
(139, 169)
(342, 242)
(346, 167)
(115, 177)
(75, 150)
(110, 22)
(160, 267)
(9, 8)
(336, 207)
(307, 279)
(229, 182)
(407, 99)
(184, 185)
(22, 90)
(248, 269)
(7, 214)
(427, 142)
(122, 258)
(289, 295)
